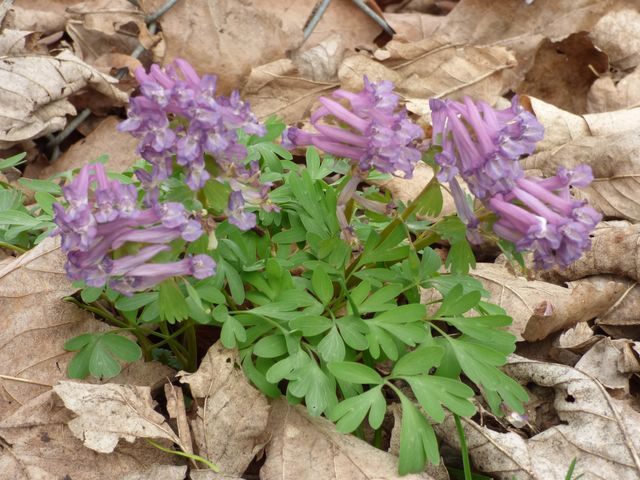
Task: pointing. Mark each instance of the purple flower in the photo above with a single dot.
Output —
(481, 144)
(373, 132)
(103, 216)
(540, 215)
(177, 96)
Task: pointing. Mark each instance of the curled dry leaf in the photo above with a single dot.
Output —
(618, 35)
(578, 339)
(624, 316)
(615, 162)
(106, 413)
(602, 433)
(310, 447)
(35, 93)
(43, 18)
(320, 63)
(36, 322)
(563, 72)
(101, 27)
(561, 127)
(433, 68)
(606, 94)
(36, 443)
(611, 362)
(539, 308)
(229, 428)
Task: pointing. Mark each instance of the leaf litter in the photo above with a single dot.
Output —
(575, 66)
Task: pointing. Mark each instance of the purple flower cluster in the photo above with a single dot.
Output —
(102, 217)
(484, 147)
(377, 135)
(179, 116)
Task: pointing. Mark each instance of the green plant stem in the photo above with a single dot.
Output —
(175, 346)
(464, 450)
(192, 346)
(191, 456)
(13, 248)
(402, 218)
(167, 339)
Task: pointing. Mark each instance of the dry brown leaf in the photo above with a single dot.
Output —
(230, 424)
(562, 127)
(35, 93)
(305, 447)
(36, 443)
(320, 63)
(578, 339)
(625, 313)
(46, 19)
(210, 475)
(615, 162)
(224, 37)
(176, 410)
(602, 433)
(106, 413)
(607, 95)
(277, 88)
(540, 308)
(100, 27)
(160, 472)
(562, 72)
(432, 68)
(611, 362)
(15, 42)
(523, 26)
(36, 322)
(413, 27)
(618, 35)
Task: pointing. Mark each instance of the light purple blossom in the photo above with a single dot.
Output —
(484, 146)
(540, 215)
(178, 117)
(481, 144)
(373, 132)
(102, 217)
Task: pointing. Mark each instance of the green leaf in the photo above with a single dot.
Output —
(14, 217)
(309, 382)
(353, 331)
(418, 361)
(382, 299)
(432, 392)
(258, 379)
(136, 301)
(271, 346)
(45, 202)
(331, 348)
(355, 373)
(430, 202)
(234, 281)
(98, 353)
(232, 330)
(460, 257)
(418, 441)
(41, 185)
(173, 306)
(310, 325)
(430, 263)
(350, 413)
(13, 161)
(322, 286)
(455, 303)
(403, 314)
(91, 294)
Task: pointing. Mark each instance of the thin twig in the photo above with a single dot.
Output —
(315, 17)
